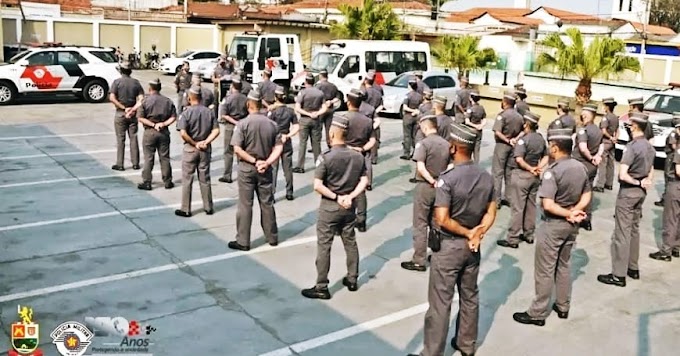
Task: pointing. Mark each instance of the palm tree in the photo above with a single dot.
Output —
(603, 57)
(371, 21)
(462, 53)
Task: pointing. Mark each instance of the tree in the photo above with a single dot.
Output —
(371, 21)
(462, 53)
(605, 56)
(665, 13)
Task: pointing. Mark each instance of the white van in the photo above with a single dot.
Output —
(348, 61)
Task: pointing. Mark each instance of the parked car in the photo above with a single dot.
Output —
(660, 108)
(206, 69)
(196, 58)
(441, 83)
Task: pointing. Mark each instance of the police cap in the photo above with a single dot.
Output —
(427, 117)
(155, 82)
(340, 121)
(280, 90)
(563, 102)
(412, 80)
(428, 93)
(370, 75)
(635, 101)
(309, 76)
(440, 100)
(590, 107)
(639, 117)
(356, 93)
(418, 73)
(195, 89)
(609, 101)
(125, 65)
(559, 134)
(464, 80)
(474, 92)
(323, 72)
(519, 86)
(463, 133)
(532, 117)
(236, 79)
(521, 90)
(254, 95)
(509, 95)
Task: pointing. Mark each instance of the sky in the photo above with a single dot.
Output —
(580, 6)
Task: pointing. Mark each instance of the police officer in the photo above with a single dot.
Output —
(198, 128)
(245, 86)
(636, 172)
(669, 149)
(563, 120)
(422, 87)
(426, 108)
(220, 73)
(464, 210)
(360, 137)
(267, 88)
(310, 105)
(521, 104)
(330, 94)
(126, 95)
(530, 155)
(506, 128)
(475, 117)
(671, 211)
(182, 84)
(609, 125)
(410, 114)
(564, 192)
(589, 150)
(369, 83)
(232, 110)
(366, 109)
(443, 121)
(373, 97)
(207, 95)
(287, 124)
(432, 157)
(462, 103)
(156, 114)
(340, 177)
(258, 145)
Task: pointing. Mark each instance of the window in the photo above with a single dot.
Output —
(42, 59)
(396, 62)
(431, 82)
(247, 45)
(18, 56)
(210, 55)
(107, 57)
(201, 55)
(70, 58)
(620, 5)
(185, 54)
(630, 6)
(273, 47)
(663, 104)
(401, 81)
(349, 66)
(325, 60)
(445, 82)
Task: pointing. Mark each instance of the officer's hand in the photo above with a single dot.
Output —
(513, 141)
(284, 138)
(345, 201)
(646, 183)
(261, 166)
(474, 243)
(576, 216)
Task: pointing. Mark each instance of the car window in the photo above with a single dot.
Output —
(45, 58)
(105, 56)
(18, 56)
(349, 66)
(445, 82)
(663, 103)
(211, 55)
(431, 82)
(400, 81)
(273, 47)
(70, 57)
(200, 55)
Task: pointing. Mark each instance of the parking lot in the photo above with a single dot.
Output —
(78, 240)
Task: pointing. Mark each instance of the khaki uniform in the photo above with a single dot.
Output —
(267, 90)
(444, 126)
(605, 176)
(592, 136)
(670, 235)
(156, 108)
(207, 98)
(359, 132)
(409, 121)
(311, 100)
(671, 141)
(330, 92)
(476, 114)
(126, 90)
(374, 98)
(183, 83)
(233, 105)
(462, 99)
(284, 116)
(510, 123)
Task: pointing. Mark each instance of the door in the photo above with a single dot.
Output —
(349, 72)
(71, 62)
(41, 73)
(446, 86)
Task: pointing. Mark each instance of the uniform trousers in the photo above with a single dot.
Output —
(180, 101)
(671, 218)
(335, 220)
(228, 150)
(126, 127)
(605, 177)
(374, 149)
(523, 205)
(153, 141)
(625, 247)
(500, 170)
(667, 167)
(423, 204)
(592, 173)
(251, 182)
(195, 160)
(478, 146)
(286, 160)
(309, 128)
(409, 125)
(327, 119)
(453, 266)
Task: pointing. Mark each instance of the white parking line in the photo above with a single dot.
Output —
(55, 136)
(62, 180)
(152, 270)
(49, 155)
(100, 215)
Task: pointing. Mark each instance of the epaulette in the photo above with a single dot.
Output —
(448, 169)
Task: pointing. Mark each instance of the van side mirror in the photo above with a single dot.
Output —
(241, 52)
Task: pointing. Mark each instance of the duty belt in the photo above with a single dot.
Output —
(445, 235)
(623, 184)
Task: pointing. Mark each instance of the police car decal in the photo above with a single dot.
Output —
(42, 78)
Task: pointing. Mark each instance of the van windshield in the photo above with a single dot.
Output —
(249, 43)
(325, 60)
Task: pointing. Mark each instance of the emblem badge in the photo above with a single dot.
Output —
(25, 334)
(547, 175)
(72, 338)
(499, 118)
(582, 132)
(520, 142)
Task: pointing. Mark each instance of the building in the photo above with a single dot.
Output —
(631, 10)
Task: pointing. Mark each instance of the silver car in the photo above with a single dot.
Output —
(442, 83)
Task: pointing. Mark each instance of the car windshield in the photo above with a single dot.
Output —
(186, 54)
(249, 43)
(662, 103)
(325, 60)
(18, 56)
(400, 81)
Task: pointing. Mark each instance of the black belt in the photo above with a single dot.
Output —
(449, 236)
(623, 184)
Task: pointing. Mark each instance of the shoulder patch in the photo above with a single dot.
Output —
(558, 122)
(319, 160)
(418, 145)
(604, 119)
(439, 183)
(672, 134)
(583, 131)
(547, 175)
(499, 118)
(520, 142)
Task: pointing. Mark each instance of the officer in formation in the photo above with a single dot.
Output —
(462, 103)
(670, 236)
(365, 108)
(425, 108)
(506, 128)
(267, 88)
(563, 120)
(636, 172)
(521, 104)
(221, 72)
(245, 86)
(288, 126)
(589, 149)
(422, 87)
(199, 128)
(475, 117)
(182, 84)
(156, 114)
(258, 145)
(207, 95)
(669, 149)
(530, 155)
(310, 105)
(410, 116)
(330, 94)
(443, 121)
(465, 209)
(564, 192)
(340, 177)
(610, 134)
(432, 157)
(232, 110)
(374, 98)
(126, 95)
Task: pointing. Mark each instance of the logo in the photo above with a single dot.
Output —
(547, 175)
(520, 142)
(499, 118)
(41, 78)
(25, 334)
(582, 132)
(130, 336)
(72, 338)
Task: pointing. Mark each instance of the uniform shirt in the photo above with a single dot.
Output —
(359, 130)
(329, 90)
(522, 107)
(207, 98)
(156, 108)
(367, 110)
(310, 99)
(509, 122)
(267, 90)
(426, 108)
(671, 141)
(592, 136)
(531, 147)
(257, 135)
(234, 105)
(432, 150)
(183, 81)
(563, 122)
(610, 122)
(198, 121)
(477, 114)
(374, 96)
(670, 170)
(246, 88)
(466, 190)
(444, 123)
(283, 116)
(564, 182)
(126, 90)
(421, 87)
(220, 71)
(340, 169)
(639, 157)
(462, 99)
(413, 100)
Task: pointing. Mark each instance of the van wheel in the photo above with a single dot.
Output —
(7, 92)
(95, 91)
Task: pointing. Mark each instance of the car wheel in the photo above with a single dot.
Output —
(95, 91)
(7, 92)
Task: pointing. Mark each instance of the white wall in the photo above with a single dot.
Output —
(516, 52)
(637, 15)
(135, 4)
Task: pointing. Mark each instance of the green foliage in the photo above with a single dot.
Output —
(462, 53)
(665, 13)
(372, 21)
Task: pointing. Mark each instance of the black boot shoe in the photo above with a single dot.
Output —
(676, 253)
(608, 187)
(169, 185)
(454, 345)
(598, 190)
(289, 197)
(660, 256)
(236, 246)
(527, 240)
(361, 227)
(505, 202)
(405, 157)
(524, 318)
(560, 314)
(116, 167)
(225, 180)
(612, 280)
(634, 274)
(586, 225)
(505, 243)
(136, 167)
(659, 203)
(316, 293)
(412, 266)
(413, 180)
(352, 287)
(182, 213)
(144, 186)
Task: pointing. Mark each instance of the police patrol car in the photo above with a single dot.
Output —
(87, 72)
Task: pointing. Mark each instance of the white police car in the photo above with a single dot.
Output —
(88, 72)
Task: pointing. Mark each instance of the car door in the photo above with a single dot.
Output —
(41, 73)
(71, 62)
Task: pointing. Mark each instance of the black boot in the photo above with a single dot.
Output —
(612, 280)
